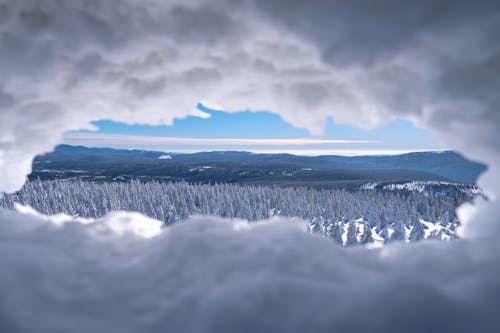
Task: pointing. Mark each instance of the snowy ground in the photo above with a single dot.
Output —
(125, 274)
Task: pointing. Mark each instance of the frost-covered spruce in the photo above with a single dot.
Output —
(348, 218)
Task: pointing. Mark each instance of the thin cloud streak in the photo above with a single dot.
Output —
(302, 146)
(121, 139)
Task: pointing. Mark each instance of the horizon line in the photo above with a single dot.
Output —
(304, 152)
(122, 139)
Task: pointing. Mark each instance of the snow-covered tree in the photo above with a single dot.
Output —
(347, 217)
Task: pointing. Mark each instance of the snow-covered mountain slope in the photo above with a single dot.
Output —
(425, 187)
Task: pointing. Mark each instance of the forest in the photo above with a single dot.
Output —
(347, 217)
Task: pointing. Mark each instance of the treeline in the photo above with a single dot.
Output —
(347, 217)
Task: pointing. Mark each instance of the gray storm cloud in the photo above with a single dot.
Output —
(65, 63)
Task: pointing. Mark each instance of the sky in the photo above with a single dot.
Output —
(255, 131)
(65, 64)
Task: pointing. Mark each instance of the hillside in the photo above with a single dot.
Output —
(249, 168)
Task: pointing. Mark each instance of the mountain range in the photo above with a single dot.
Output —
(243, 167)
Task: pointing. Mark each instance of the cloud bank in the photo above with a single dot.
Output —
(117, 138)
(185, 144)
(65, 63)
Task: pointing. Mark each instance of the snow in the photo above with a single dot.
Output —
(424, 186)
(62, 171)
(77, 171)
(51, 171)
(57, 219)
(344, 228)
(369, 186)
(204, 276)
(390, 231)
(430, 228)
(326, 210)
(407, 233)
(201, 168)
(165, 157)
(377, 239)
(213, 275)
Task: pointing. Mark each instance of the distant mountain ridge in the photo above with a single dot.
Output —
(244, 167)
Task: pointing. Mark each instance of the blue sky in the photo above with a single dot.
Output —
(255, 131)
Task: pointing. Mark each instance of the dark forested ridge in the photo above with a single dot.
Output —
(248, 168)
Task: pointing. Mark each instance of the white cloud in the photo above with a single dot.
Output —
(98, 139)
